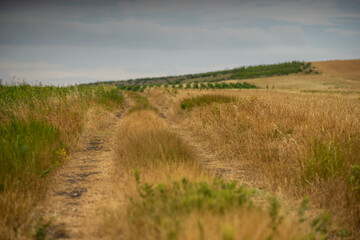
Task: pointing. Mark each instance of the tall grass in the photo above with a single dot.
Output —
(171, 197)
(293, 143)
(24, 146)
(38, 127)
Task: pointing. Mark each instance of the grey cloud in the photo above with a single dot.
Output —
(343, 32)
(132, 33)
(57, 39)
(308, 12)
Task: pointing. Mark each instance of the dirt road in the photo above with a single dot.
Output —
(83, 186)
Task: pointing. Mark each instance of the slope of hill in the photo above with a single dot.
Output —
(348, 69)
(240, 73)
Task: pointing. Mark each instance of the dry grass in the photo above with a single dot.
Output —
(292, 144)
(171, 197)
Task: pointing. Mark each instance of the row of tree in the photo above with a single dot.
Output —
(237, 85)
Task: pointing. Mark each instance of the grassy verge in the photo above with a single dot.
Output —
(38, 128)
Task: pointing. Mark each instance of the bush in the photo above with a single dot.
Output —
(162, 208)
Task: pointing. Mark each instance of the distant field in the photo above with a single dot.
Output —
(248, 72)
(346, 69)
(340, 76)
(334, 76)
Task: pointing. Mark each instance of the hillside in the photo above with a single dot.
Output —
(240, 73)
(348, 69)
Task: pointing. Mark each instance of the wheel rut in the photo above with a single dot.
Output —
(83, 186)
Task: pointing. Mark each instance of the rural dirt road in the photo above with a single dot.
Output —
(83, 187)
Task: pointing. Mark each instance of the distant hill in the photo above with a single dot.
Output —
(348, 69)
(240, 73)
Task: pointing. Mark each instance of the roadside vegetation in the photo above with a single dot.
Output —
(38, 129)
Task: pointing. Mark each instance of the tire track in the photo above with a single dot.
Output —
(84, 186)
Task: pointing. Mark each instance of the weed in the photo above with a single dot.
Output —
(326, 161)
(276, 219)
(41, 231)
(162, 207)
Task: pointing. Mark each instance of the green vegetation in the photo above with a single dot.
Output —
(164, 211)
(108, 97)
(223, 85)
(268, 70)
(203, 100)
(217, 76)
(326, 160)
(141, 103)
(24, 145)
(334, 160)
(162, 208)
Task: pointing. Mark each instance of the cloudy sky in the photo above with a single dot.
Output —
(72, 41)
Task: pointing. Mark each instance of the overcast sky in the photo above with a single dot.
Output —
(61, 42)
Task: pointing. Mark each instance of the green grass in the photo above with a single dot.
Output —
(190, 103)
(326, 161)
(36, 98)
(141, 103)
(23, 147)
(109, 97)
(28, 139)
(162, 208)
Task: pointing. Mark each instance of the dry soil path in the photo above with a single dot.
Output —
(84, 186)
